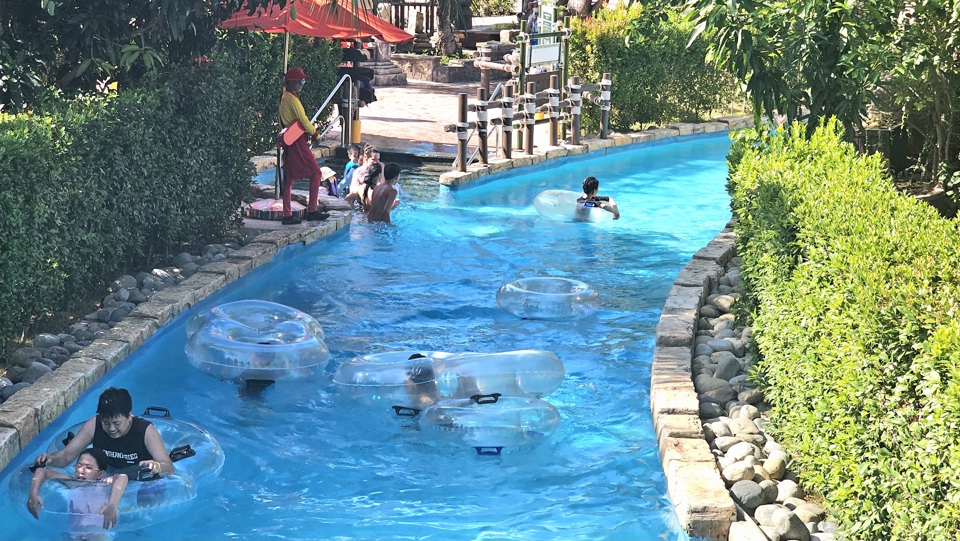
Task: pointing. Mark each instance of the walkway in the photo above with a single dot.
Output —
(411, 119)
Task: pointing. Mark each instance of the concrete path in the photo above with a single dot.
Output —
(411, 119)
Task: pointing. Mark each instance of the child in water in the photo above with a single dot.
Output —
(590, 199)
(89, 497)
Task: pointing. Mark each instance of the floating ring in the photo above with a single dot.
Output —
(549, 298)
(255, 340)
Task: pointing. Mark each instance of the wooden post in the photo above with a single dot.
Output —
(524, 45)
(529, 116)
(553, 107)
(564, 66)
(506, 111)
(605, 84)
(462, 134)
(482, 123)
(576, 99)
(485, 56)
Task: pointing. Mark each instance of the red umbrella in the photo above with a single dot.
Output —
(319, 19)
(330, 19)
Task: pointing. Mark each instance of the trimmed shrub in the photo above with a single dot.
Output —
(101, 185)
(856, 290)
(33, 163)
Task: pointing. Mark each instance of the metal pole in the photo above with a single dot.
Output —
(462, 133)
(506, 110)
(605, 84)
(575, 100)
(565, 47)
(286, 50)
(278, 178)
(529, 115)
(346, 116)
(482, 123)
(553, 107)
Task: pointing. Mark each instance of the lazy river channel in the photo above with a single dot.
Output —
(303, 461)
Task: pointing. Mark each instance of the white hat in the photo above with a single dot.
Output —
(327, 172)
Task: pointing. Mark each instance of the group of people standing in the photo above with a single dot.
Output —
(371, 186)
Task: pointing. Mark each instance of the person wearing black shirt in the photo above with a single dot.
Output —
(127, 440)
(590, 199)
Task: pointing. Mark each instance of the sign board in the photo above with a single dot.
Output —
(547, 12)
(548, 53)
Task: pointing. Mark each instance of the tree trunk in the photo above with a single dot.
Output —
(446, 39)
(582, 8)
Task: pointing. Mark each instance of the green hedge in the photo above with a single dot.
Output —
(102, 185)
(657, 79)
(855, 291)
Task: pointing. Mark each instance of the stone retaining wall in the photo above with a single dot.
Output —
(428, 68)
(700, 497)
(544, 153)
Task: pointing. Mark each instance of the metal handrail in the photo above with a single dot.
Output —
(496, 90)
(329, 126)
(339, 117)
(491, 134)
(346, 77)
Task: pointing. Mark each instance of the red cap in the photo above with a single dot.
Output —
(295, 74)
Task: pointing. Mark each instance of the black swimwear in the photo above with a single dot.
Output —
(127, 450)
(593, 202)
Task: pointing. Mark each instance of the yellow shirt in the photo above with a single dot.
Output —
(291, 110)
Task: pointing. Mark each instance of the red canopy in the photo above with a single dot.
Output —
(316, 18)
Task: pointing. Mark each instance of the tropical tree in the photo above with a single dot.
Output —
(446, 40)
(921, 84)
(78, 44)
(810, 60)
(583, 8)
(805, 60)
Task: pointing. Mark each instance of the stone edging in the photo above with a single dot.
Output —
(321, 149)
(700, 497)
(542, 154)
(32, 409)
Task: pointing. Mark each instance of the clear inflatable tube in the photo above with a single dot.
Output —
(396, 379)
(255, 340)
(562, 206)
(494, 423)
(548, 298)
(73, 506)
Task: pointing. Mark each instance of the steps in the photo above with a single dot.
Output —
(386, 74)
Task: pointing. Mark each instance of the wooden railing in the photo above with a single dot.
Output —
(403, 11)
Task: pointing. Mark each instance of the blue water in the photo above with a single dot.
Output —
(303, 462)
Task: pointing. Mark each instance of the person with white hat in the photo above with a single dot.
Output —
(298, 159)
(329, 182)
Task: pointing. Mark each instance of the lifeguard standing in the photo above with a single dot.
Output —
(298, 160)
